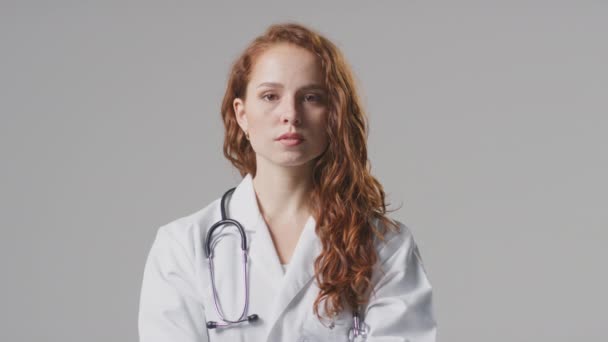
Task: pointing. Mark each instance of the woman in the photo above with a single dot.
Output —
(296, 132)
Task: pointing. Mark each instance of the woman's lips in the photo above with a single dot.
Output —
(290, 142)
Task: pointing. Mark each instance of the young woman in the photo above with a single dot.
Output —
(311, 254)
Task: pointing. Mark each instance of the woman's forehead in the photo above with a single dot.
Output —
(286, 63)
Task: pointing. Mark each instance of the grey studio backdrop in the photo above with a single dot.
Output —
(487, 129)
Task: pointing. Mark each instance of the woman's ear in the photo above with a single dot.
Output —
(239, 112)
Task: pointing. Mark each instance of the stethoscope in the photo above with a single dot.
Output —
(359, 328)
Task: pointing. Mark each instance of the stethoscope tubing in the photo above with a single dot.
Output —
(223, 222)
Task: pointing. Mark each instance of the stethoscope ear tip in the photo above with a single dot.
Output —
(252, 318)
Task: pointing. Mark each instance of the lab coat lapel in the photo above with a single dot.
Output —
(266, 268)
(262, 253)
(299, 273)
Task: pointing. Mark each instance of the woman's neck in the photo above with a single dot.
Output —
(283, 193)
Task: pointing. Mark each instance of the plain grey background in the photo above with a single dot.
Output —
(488, 131)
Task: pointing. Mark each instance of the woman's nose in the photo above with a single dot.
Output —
(290, 111)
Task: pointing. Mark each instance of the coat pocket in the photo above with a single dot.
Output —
(329, 330)
(314, 330)
(342, 325)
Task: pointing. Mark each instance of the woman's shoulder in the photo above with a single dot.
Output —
(396, 241)
(191, 226)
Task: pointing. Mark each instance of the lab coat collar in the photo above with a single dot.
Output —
(263, 256)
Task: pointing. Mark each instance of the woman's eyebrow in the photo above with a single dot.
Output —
(279, 85)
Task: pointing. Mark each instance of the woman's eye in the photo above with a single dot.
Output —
(313, 97)
(308, 98)
(266, 96)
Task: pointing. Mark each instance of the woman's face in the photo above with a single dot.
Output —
(285, 94)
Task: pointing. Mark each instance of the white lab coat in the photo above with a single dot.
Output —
(176, 297)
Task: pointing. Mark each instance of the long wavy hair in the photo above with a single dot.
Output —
(347, 202)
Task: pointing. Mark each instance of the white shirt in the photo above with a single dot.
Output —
(176, 297)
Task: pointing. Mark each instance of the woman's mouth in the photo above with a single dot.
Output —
(290, 141)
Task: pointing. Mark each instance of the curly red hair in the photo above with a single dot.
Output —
(346, 199)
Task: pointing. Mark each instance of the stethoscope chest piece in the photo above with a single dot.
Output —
(359, 330)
